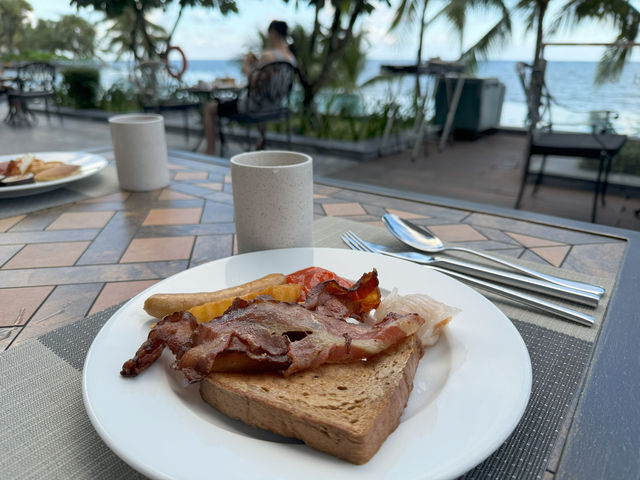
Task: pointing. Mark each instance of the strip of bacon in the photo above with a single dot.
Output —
(331, 298)
(275, 335)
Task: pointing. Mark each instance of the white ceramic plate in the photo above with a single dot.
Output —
(90, 165)
(469, 393)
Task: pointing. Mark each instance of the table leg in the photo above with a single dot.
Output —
(605, 182)
(451, 114)
(596, 191)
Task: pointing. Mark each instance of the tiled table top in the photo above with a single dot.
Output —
(62, 263)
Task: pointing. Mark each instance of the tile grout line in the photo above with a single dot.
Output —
(44, 300)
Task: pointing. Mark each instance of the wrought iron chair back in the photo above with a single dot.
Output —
(269, 86)
(36, 77)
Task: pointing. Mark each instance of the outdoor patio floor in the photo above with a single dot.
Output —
(486, 170)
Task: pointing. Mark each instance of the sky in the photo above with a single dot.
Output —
(206, 34)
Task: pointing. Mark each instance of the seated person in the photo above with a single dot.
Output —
(278, 51)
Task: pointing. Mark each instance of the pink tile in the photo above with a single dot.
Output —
(18, 304)
(114, 197)
(191, 175)
(168, 194)
(343, 209)
(456, 233)
(39, 255)
(7, 223)
(529, 241)
(173, 216)
(80, 220)
(216, 186)
(117, 292)
(404, 214)
(554, 255)
(158, 249)
(173, 166)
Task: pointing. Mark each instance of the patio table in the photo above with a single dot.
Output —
(70, 257)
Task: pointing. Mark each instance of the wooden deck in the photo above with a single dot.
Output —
(488, 170)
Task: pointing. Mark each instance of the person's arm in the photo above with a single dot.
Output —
(249, 63)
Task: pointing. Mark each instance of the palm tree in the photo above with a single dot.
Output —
(125, 37)
(13, 20)
(625, 17)
(456, 13)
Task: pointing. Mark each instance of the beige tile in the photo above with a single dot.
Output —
(403, 214)
(343, 209)
(191, 175)
(173, 216)
(117, 292)
(554, 255)
(173, 166)
(18, 304)
(529, 241)
(376, 223)
(114, 197)
(227, 179)
(158, 249)
(168, 194)
(217, 186)
(39, 255)
(7, 223)
(80, 220)
(456, 233)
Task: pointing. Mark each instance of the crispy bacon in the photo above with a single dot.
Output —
(331, 298)
(273, 335)
(10, 168)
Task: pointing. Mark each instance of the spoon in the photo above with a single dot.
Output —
(422, 239)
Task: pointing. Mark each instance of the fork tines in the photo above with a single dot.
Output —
(355, 243)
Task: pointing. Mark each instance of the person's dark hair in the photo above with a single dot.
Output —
(279, 27)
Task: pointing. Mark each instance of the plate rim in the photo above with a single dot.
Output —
(101, 163)
(149, 470)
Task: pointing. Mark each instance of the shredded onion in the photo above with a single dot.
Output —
(435, 314)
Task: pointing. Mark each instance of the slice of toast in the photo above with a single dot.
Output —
(346, 410)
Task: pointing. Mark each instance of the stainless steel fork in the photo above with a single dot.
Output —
(355, 243)
(511, 279)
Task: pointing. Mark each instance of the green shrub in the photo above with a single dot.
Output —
(627, 161)
(120, 97)
(81, 86)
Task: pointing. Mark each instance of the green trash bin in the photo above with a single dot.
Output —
(479, 108)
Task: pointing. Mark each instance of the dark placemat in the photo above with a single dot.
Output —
(558, 362)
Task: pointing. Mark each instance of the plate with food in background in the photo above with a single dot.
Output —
(31, 173)
(308, 362)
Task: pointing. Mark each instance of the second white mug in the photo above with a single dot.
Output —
(273, 200)
(140, 150)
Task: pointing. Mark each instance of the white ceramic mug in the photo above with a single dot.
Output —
(273, 200)
(140, 150)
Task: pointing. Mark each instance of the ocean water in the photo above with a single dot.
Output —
(571, 84)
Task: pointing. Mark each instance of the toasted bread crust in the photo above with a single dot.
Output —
(345, 410)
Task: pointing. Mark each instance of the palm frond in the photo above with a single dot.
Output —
(406, 12)
(624, 16)
(495, 37)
